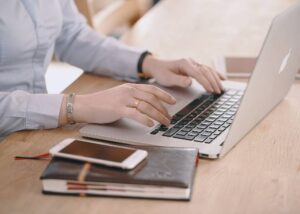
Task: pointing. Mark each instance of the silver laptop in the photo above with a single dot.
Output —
(216, 123)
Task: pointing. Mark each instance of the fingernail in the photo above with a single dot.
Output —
(150, 123)
(173, 99)
(168, 123)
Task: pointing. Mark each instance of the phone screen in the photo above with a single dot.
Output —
(97, 151)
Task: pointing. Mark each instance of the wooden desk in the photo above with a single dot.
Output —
(261, 175)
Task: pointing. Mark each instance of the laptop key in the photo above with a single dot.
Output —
(198, 120)
(182, 133)
(178, 126)
(155, 131)
(213, 136)
(205, 133)
(217, 132)
(214, 116)
(163, 128)
(180, 136)
(210, 119)
(236, 96)
(230, 92)
(208, 140)
(223, 108)
(189, 137)
(210, 129)
(173, 121)
(187, 129)
(222, 119)
(201, 126)
(226, 116)
(218, 113)
(193, 133)
(207, 123)
(189, 118)
(171, 132)
(192, 124)
(230, 113)
(226, 96)
(183, 122)
(200, 138)
(226, 125)
(222, 128)
(197, 130)
(227, 106)
(218, 122)
(214, 126)
(213, 108)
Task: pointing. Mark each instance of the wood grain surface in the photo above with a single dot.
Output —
(261, 175)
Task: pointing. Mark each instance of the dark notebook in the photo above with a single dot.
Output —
(166, 173)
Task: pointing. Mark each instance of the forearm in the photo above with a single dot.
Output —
(21, 110)
(112, 104)
(81, 46)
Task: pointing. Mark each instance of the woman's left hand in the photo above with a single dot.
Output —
(179, 73)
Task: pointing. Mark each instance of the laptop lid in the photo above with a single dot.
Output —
(274, 73)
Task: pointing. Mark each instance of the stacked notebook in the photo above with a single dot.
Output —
(167, 173)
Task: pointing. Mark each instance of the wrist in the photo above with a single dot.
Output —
(79, 109)
(149, 65)
(63, 112)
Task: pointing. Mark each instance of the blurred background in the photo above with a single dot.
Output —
(113, 17)
(108, 17)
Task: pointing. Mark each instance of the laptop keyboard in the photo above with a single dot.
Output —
(204, 119)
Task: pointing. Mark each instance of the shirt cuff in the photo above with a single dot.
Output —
(43, 111)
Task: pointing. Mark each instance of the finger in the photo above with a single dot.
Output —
(207, 75)
(202, 79)
(159, 93)
(197, 73)
(180, 80)
(221, 76)
(214, 79)
(134, 114)
(206, 71)
(152, 112)
(152, 100)
(218, 79)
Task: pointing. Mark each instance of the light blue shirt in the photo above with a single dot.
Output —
(30, 32)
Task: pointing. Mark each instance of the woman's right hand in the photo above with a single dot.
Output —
(140, 102)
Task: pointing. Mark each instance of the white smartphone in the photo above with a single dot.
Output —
(99, 153)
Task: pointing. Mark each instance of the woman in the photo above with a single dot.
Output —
(32, 30)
